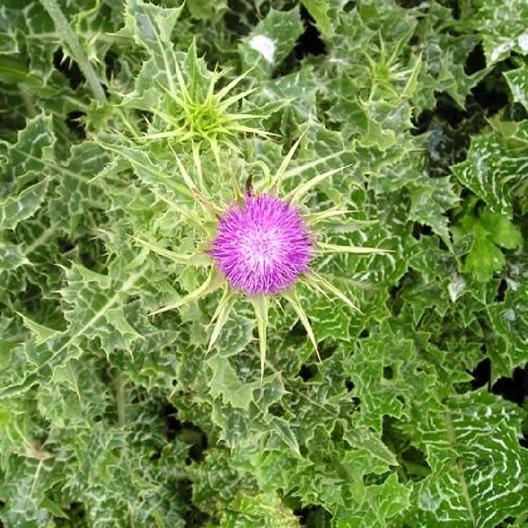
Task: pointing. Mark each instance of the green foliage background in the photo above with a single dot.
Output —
(109, 417)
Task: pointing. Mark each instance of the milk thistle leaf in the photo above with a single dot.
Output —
(42, 333)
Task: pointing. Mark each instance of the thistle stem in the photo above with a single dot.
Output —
(70, 38)
(119, 384)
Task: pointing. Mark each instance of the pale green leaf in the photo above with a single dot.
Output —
(225, 382)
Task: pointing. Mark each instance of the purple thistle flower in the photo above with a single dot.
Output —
(262, 246)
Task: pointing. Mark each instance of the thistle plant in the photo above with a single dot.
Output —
(133, 180)
(260, 247)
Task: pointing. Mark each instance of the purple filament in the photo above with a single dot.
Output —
(262, 246)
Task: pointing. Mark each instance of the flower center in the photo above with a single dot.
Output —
(262, 246)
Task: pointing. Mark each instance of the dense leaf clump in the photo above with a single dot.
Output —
(130, 388)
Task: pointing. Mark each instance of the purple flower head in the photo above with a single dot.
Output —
(262, 246)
